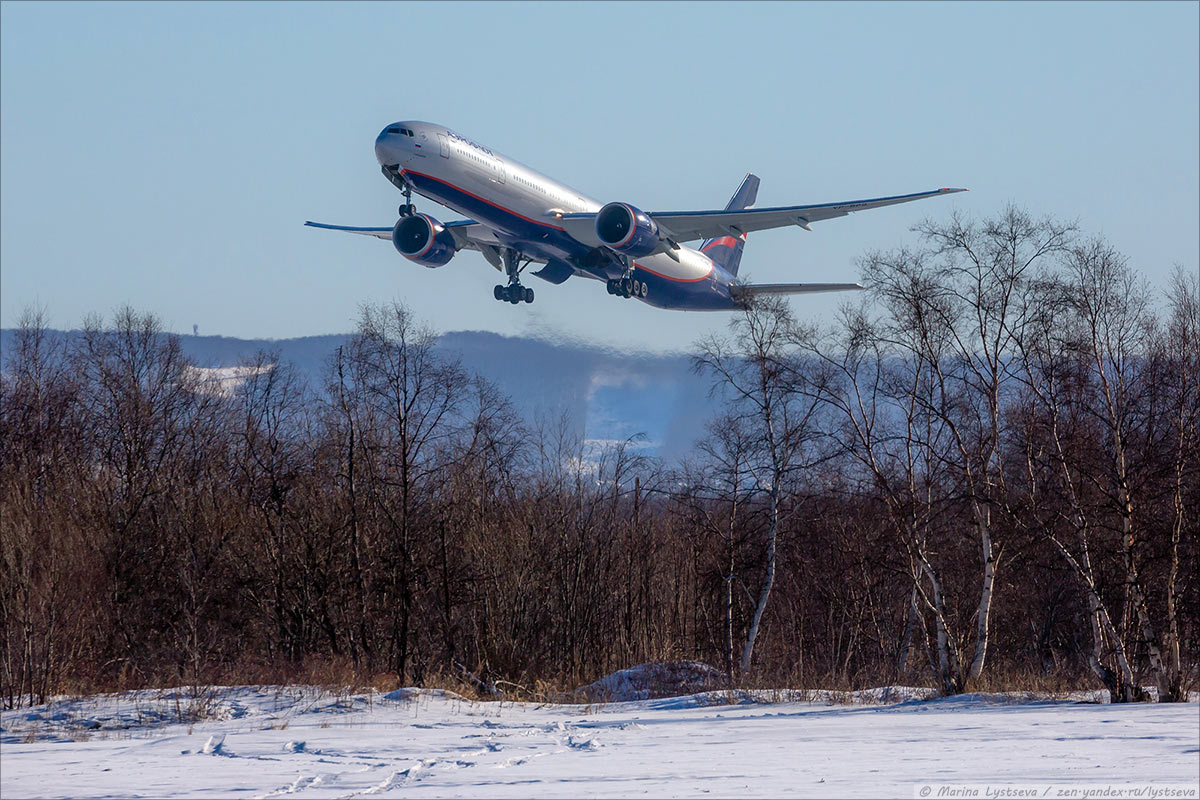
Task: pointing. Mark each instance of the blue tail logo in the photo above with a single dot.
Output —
(726, 251)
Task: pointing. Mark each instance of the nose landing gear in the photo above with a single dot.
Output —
(407, 209)
(394, 174)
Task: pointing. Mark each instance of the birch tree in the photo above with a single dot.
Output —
(756, 372)
(954, 306)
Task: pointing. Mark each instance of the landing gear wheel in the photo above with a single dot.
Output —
(528, 295)
(498, 293)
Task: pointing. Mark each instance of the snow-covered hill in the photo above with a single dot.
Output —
(275, 741)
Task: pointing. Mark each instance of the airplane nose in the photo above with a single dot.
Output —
(385, 149)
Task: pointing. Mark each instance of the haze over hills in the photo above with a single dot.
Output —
(607, 394)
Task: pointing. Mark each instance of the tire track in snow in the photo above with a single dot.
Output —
(552, 739)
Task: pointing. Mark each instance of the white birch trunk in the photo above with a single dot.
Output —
(768, 581)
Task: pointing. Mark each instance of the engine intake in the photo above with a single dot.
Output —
(423, 239)
(627, 230)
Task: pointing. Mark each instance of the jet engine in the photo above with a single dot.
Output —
(421, 238)
(627, 230)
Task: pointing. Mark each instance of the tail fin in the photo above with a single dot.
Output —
(726, 251)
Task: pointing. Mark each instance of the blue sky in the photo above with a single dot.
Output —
(166, 155)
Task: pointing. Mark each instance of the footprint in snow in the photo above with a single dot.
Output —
(403, 776)
(301, 783)
(581, 743)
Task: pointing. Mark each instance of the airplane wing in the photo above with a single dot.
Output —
(689, 225)
(740, 290)
(468, 235)
(378, 233)
(686, 226)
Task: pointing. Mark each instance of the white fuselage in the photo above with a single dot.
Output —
(510, 197)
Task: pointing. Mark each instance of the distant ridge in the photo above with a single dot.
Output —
(607, 394)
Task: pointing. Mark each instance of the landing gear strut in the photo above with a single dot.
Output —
(408, 209)
(513, 293)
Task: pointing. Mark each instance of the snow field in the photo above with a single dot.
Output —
(276, 741)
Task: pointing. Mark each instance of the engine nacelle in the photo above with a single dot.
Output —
(627, 230)
(423, 239)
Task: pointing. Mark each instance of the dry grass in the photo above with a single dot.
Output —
(340, 678)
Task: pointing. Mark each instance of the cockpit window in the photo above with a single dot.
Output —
(398, 129)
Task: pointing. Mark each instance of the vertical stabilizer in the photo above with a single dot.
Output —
(726, 251)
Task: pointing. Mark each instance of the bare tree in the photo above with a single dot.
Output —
(1178, 347)
(411, 396)
(39, 452)
(754, 371)
(726, 451)
(954, 309)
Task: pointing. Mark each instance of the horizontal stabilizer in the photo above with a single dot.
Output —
(756, 289)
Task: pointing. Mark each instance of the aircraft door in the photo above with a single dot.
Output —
(444, 143)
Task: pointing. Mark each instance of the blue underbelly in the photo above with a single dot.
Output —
(541, 239)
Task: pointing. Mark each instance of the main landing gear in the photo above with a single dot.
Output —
(516, 293)
(628, 287)
(513, 293)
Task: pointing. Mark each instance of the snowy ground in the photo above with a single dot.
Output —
(271, 741)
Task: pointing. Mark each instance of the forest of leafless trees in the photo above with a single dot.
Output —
(985, 474)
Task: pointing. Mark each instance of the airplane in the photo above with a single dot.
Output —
(518, 217)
